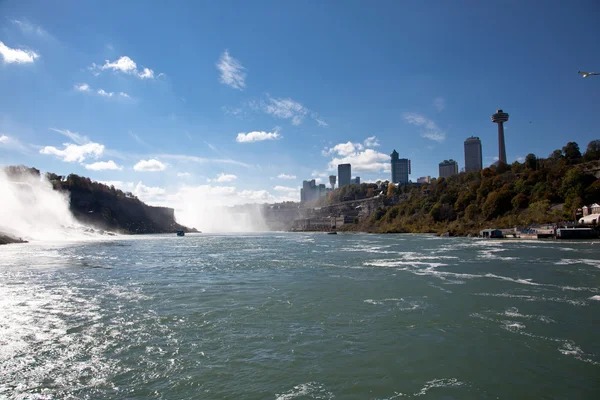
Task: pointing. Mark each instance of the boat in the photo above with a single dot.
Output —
(332, 233)
(180, 233)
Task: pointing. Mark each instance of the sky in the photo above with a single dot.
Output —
(231, 102)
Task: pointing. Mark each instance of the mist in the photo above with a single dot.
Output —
(30, 209)
(221, 219)
(215, 210)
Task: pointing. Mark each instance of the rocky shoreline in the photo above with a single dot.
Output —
(7, 239)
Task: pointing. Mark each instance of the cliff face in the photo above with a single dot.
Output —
(125, 214)
(101, 206)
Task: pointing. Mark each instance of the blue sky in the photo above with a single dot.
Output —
(238, 102)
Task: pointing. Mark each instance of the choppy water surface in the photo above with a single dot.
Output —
(300, 316)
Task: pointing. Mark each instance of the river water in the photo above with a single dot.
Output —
(300, 316)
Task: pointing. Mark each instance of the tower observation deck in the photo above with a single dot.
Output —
(500, 118)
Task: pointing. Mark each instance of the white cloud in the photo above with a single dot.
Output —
(74, 136)
(256, 136)
(318, 180)
(149, 166)
(285, 176)
(149, 194)
(343, 149)
(124, 186)
(28, 28)
(429, 128)
(232, 71)
(104, 93)
(371, 141)
(75, 153)
(17, 56)
(104, 166)
(183, 174)
(439, 103)
(138, 139)
(146, 74)
(316, 173)
(224, 178)
(362, 160)
(320, 121)
(125, 65)
(202, 160)
(11, 143)
(83, 87)
(285, 189)
(286, 109)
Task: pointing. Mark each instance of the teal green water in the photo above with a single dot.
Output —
(300, 316)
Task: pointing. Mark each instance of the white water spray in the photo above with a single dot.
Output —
(30, 209)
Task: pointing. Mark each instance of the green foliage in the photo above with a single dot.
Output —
(592, 153)
(531, 161)
(496, 204)
(572, 153)
(501, 196)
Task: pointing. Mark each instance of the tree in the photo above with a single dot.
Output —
(572, 153)
(391, 189)
(496, 204)
(520, 201)
(592, 152)
(531, 161)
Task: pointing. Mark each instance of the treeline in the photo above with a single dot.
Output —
(536, 191)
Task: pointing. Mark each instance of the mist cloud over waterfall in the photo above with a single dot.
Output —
(32, 210)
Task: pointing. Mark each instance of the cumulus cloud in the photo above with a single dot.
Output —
(371, 141)
(151, 165)
(104, 166)
(344, 149)
(256, 136)
(429, 129)
(232, 71)
(183, 174)
(149, 193)
(362, 160)
(439, 103)
(104, 93)
(124, 65)
(82, 87)
(285, 176)
(17, 56)
(75, 153)
(224, 178)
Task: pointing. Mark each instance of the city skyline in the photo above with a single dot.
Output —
(103, 92)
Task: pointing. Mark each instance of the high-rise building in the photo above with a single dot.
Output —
(424, 179)
(355, 181)
(344, 174)
(400, 169)
(311, 191)
(448, 168)
(500, 118)
(473, 160)
(332, 180)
